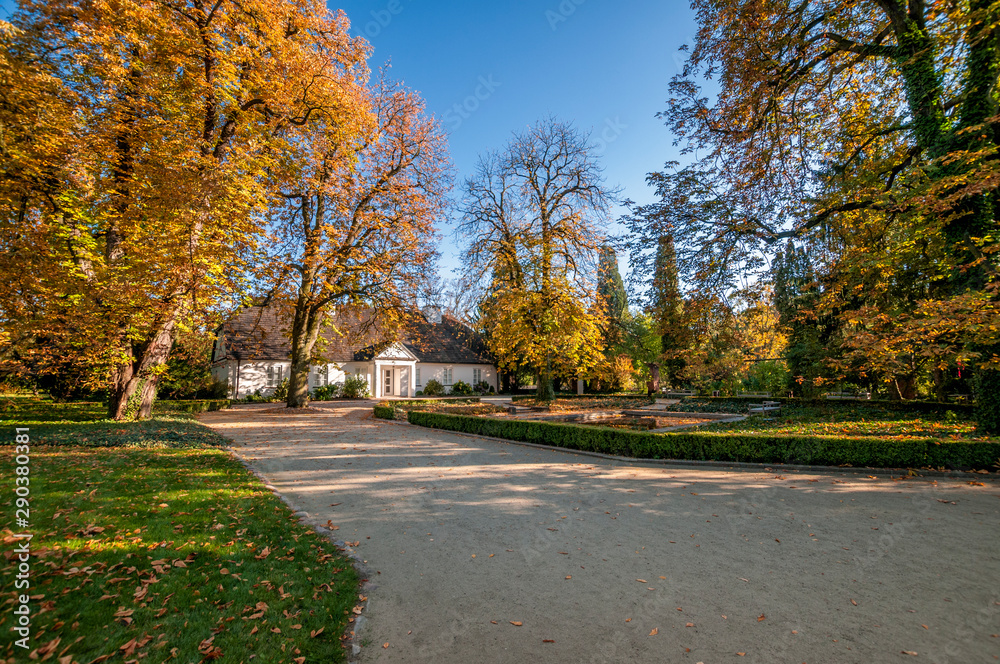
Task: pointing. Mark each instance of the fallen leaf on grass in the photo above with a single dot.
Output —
(316, 632)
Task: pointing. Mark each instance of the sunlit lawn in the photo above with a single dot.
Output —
(166, 548)
(848, 420)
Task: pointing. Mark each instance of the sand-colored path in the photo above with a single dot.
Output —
(599, 561)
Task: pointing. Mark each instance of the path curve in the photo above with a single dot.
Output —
(604, 561)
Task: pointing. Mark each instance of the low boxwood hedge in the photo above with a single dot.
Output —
(703, 446)
(191, 405)
(385, 412)
(594, 395)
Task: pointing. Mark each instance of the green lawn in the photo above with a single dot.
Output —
(151, 541)
(846, 418)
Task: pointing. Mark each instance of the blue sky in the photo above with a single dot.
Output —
(487, 69)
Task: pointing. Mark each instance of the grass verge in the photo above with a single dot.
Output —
(151, 542)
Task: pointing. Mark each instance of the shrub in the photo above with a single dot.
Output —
(281, 391)
(433, 388)
(385, 412)
(482, 387)
(419, 393)
(700, 446)
(326, 392)
(355, 387)
(461, 388)
(254, 397)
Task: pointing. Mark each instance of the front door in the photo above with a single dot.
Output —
(404, 382)
(387, 390)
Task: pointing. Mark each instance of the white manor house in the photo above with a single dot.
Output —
(252, 352)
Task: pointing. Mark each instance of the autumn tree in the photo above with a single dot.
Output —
(864, 130)
(143, 198)
(359, 218)
(532, 218)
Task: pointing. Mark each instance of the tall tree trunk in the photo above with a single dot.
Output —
(305, 332)
(654, 379)
(142, 375)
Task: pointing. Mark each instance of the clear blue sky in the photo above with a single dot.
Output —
(601, 64)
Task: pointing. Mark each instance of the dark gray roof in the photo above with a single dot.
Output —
(262, 333)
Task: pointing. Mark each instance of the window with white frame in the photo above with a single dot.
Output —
(447, 376)
(274, 375)
(322, 376)
(418, 376)
(477, 376)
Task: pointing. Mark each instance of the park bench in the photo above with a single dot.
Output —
(678, 394)
(755, 395)
(764, 408)
(857, 396)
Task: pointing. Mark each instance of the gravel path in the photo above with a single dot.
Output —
(598, 561)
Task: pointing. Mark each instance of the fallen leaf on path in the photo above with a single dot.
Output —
(548, 640)
(854, 603)
(654, 632)
(689, 624)
(761, 617)
(641, 580)
(909, 652)
(515, 623)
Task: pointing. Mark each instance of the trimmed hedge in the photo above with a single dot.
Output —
(704, 446)
(595, 395)
(385, 412)
(191, 406)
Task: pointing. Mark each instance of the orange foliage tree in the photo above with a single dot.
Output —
(358, 219)
(138, 135)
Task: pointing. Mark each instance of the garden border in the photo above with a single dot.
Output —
(706, 448)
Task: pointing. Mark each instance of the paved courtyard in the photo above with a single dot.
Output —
(483, 551)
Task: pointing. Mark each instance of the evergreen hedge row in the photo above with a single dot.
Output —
(725, 446)
(385, 412)
(191, 405)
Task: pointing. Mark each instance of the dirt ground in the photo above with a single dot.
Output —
(483, 551)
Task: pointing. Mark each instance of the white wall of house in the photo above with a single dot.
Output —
(265, 375)
(449, 374)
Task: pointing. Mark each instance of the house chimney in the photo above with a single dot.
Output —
(433, 314)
